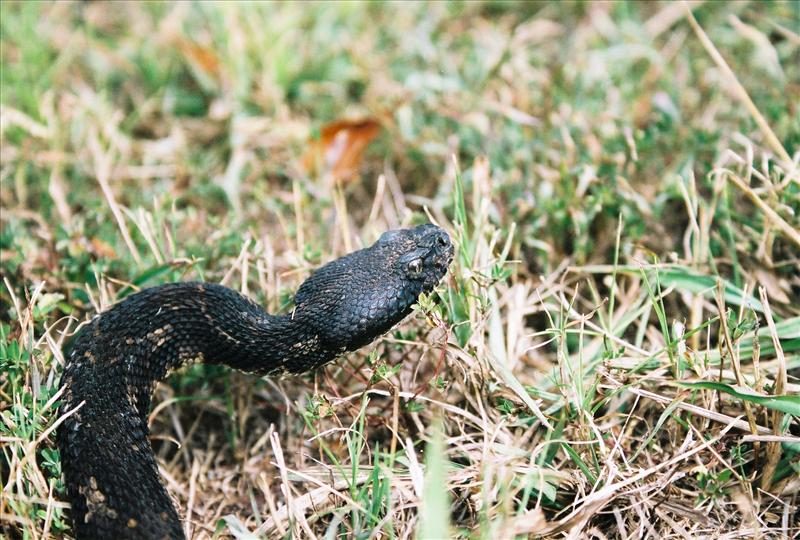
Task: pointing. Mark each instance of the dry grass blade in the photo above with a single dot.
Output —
(791, 232)
(587, 506)
(705, 413)
(732, 352)
(103, 166)
(741, 93)
(773, 452)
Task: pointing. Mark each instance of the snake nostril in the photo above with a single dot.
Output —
(441, 240)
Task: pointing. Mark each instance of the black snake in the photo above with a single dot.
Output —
(115, 361)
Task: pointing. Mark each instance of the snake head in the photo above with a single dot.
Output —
(354, 299)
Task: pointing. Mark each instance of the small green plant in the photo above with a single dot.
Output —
(713, 485)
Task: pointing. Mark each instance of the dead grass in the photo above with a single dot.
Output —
(615, 353)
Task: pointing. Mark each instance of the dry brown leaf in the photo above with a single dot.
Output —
(339, 151)
(102, 249)
(201, 57)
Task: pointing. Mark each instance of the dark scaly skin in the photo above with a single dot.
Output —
(115, 362)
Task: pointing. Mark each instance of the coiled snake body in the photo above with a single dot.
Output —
(116, 360)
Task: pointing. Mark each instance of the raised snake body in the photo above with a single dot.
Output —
(116, 360)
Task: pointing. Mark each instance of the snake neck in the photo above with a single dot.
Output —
(111, 473)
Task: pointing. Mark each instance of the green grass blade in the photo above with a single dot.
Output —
(435, 522)
(785, 404)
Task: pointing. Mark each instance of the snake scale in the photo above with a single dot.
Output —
(115, 361)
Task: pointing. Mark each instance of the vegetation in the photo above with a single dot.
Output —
(615, 353)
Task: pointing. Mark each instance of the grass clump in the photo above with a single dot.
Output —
(615, 352)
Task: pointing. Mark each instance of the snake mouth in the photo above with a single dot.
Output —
(441, 250)
(443, 258)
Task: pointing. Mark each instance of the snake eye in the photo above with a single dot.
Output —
(415, 267)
